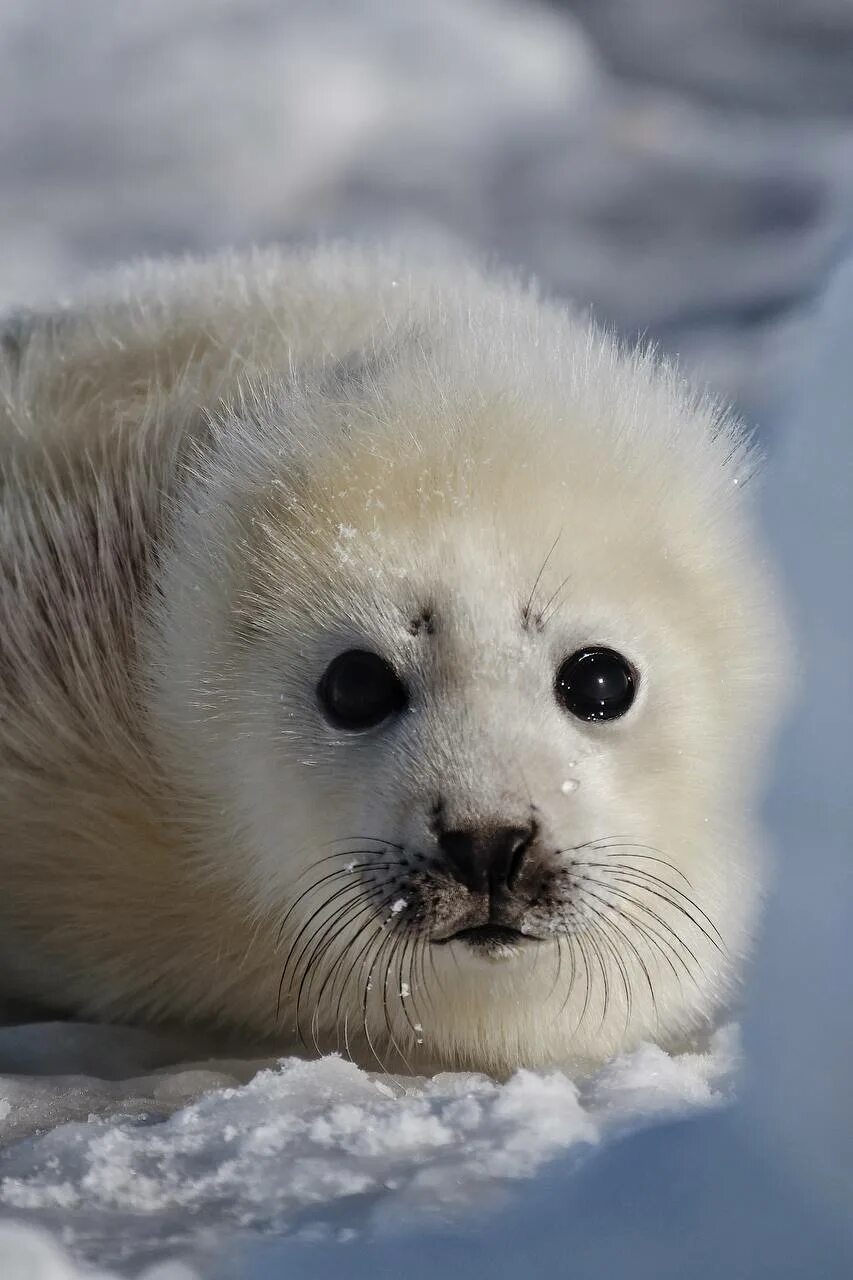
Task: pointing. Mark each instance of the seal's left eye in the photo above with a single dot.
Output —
(359, 689)
(596, 684)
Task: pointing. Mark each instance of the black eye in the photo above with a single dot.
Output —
(359, 689)
(596, 684)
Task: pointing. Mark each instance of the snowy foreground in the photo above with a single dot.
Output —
(315, 1150)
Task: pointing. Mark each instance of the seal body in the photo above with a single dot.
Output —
(385, 662)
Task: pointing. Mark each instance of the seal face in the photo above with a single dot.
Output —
(405, 672)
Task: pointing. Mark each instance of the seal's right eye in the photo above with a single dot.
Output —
(359, 689)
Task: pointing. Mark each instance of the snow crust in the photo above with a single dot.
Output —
(313, 1149)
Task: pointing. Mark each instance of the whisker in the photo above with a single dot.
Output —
(624, 876)
(558, 968)
(646, 857)
(570, 937)
(660, 946)
(611, 923)
(717, 942)
(665, 948)
(359, 893)
(644, 906)
(333, 875)
(622, 842)
(340, 872)
(436, 975)
(626, 916)
(581, 941)
(390, 844)
(365, 997)
(290, 953)
(309, 974)
(372, 907)
(596, 951)
(613, 950)
(348, 889)
(605, 980)
(423, 985)
(393, 939)
(407, 939)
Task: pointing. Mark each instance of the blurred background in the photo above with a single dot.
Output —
(685, 169)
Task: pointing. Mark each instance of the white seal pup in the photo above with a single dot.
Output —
(386, 662)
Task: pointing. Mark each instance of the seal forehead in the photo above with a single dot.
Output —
(388, 545)
(454, 501)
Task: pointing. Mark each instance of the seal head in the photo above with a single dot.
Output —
(466, 652)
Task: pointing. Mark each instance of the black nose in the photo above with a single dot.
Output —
(489, 858)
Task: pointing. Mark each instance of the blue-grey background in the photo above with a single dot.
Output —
(686, 168)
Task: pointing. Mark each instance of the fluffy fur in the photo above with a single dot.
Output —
(218, 475)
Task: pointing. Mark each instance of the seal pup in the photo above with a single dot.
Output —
(386, 662)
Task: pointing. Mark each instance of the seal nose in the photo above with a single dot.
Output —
(487, 859)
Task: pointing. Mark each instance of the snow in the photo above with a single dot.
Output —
(31, 1255)
(688, 170)
(317, 1150)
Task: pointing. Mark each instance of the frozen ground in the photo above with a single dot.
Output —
(697, 186)
(312, 1150)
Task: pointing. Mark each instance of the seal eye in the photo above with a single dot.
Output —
(596, 684)
(359, 689)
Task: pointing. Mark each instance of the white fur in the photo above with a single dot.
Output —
(219, 475)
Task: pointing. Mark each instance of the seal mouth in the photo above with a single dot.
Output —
(490, 936)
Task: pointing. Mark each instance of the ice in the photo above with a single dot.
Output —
(28, 1254)
(162, 1164)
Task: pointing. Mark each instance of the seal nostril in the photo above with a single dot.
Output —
(489, 859)
(460, 849)
(519, 853)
